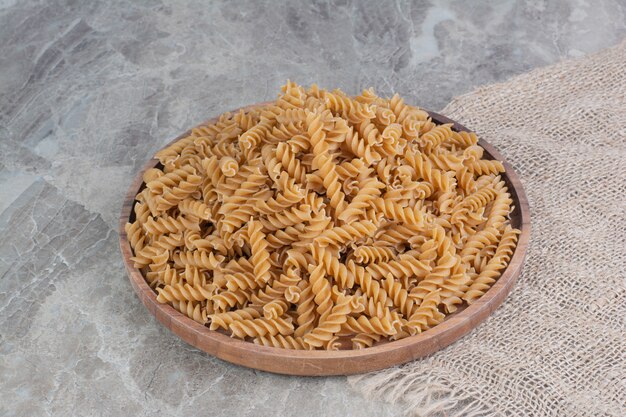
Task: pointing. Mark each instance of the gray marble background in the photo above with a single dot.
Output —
(90, 90)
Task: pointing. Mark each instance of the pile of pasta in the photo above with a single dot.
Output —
(322, 221)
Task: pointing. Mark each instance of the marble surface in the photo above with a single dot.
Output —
(90, 90)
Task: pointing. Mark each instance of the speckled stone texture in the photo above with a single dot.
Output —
(89, 91)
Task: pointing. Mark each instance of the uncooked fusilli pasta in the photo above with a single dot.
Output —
(322, 221)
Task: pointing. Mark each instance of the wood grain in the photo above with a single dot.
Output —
(342, 362)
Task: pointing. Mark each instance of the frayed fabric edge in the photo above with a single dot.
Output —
(420, 395)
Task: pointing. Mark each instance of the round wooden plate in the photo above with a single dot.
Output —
(341, 362)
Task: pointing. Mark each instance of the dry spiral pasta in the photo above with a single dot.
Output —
(322, 221)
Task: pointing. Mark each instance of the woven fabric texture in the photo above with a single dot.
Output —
(556, 346)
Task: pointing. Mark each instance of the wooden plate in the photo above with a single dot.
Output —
(341, 362)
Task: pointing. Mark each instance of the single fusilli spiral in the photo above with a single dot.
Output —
(261, 327)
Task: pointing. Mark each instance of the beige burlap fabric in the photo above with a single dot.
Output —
(556, 347)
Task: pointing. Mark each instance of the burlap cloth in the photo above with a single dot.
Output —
(556, 347)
